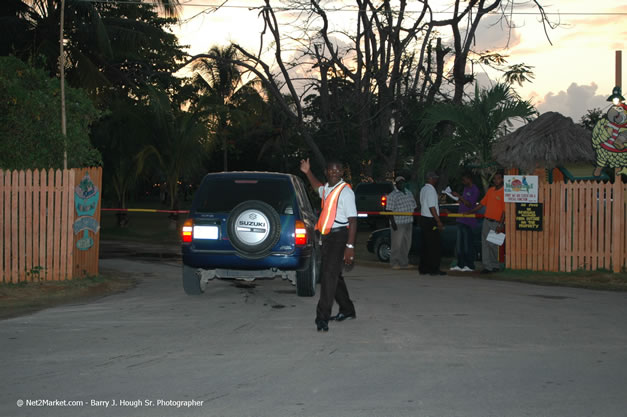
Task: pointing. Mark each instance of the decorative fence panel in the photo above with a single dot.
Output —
(37, 213)
(87, 245)
(584, 227)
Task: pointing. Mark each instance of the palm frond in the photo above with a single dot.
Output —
(477, 125)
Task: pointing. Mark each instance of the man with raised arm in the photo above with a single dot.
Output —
(338, 227)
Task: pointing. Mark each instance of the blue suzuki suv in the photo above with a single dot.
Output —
(249, 225)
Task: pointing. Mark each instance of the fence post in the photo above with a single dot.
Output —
(70, 230)
(562, 253)
(2, 235)
(43, 218)
(617, 223)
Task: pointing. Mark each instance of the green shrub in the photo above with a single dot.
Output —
(30, 120)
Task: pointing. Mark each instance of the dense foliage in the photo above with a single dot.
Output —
(365, 99)
(30, 120)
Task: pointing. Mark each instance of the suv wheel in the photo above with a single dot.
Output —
(383, 248)
(191, 281)
(254, 227)
(306, 279)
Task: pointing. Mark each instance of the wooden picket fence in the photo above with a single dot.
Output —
(36, 217)
(584, 228)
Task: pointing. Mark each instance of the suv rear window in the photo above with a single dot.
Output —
(221, 195)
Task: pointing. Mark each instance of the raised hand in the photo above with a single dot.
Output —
(304, 165)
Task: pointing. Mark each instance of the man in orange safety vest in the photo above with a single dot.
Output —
(338, 226)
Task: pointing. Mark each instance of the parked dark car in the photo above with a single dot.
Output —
(249, 225)
(379, 240)
(372, 196)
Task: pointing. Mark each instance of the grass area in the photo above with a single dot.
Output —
(28, 297)
(141, 227)
(149, 202)
(594, 280)
(144, 227)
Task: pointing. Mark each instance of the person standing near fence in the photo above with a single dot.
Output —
(464, 247)
(400, 200)
(430, 228)
(494, 219)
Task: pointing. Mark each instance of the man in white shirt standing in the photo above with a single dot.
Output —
(430, 228)
(338, 227)
(400, 200)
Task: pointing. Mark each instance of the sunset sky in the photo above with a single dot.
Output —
(573, 75)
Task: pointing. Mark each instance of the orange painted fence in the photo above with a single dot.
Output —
(37, 214)
(584, 228)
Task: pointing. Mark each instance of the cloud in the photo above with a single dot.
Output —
(574, 102)
(493, 33)
(619, 45)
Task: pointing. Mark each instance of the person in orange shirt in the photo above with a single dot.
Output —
(494, 219)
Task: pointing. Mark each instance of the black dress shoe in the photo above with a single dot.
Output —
(342, 317)
(438, 273)
(322, 325)
(486, 271)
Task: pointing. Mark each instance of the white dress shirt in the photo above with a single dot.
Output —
(428, 198)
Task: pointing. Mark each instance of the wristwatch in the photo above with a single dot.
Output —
(349, 246)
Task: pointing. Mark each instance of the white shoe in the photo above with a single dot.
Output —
(456, 268)
(466, 269)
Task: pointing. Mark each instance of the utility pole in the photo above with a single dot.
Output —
(618, 83)
(62, 71)
(619, 59)
(617, 95)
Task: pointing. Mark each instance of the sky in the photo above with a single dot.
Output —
(572, 75)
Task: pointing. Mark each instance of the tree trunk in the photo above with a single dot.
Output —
(225, 159)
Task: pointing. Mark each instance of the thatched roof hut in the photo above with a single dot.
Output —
(550, 141)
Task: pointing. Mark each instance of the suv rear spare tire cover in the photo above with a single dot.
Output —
(254, 227)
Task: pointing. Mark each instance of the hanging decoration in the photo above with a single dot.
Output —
(86, 196)
(609, 136)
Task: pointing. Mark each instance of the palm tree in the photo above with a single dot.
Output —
(100, 36)
(477, 126)
(219, 80)
(279, 135)
(176, 147)
(120, 136)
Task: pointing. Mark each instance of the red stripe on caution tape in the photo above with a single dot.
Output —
(146, 210)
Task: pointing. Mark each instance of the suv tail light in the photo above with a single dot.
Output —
(300, 233)
(384, 201)
(188, 229)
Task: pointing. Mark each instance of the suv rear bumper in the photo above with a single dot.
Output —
(294, 261)
(245, 274)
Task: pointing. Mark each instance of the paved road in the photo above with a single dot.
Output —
(421, 346)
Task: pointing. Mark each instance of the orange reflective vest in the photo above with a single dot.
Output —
(329, 209)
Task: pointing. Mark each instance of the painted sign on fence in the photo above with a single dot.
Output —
(86, 196)
(521, 188)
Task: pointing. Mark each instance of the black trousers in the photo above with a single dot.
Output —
(332, 284)
(430, 251)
